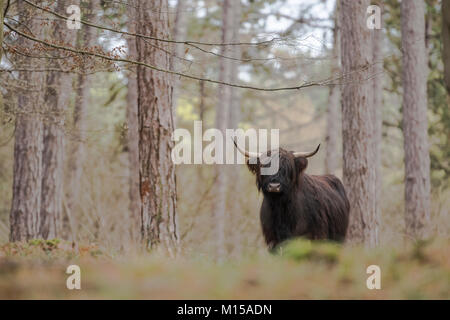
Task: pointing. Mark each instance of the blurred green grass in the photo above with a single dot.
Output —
(299, 269)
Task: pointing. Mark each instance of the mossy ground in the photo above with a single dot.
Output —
(299, 270)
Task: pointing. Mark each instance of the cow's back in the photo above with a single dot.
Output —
(333, 205)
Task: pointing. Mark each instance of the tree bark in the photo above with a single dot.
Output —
(133, 132)
(27, 172)
(157, 171)
(222, 116)
(415, 125)
(59, 87)
(77, 153)
(357, 128)
(331, 159)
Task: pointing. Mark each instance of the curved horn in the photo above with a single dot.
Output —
(245, 152)
(306, 154)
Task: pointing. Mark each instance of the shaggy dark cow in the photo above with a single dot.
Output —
(297, 204)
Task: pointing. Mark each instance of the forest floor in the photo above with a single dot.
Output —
(302, 270)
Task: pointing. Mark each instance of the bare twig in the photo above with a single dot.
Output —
(185, 75)
(186, 42)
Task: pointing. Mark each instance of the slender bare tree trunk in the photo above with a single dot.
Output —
(2, 5)
(377, 118)
(222, 116)
(133, 132)
(235, 105)
(446, 44)
(27, 174)
(415, 124)
(77, 153)
(446, 48)
(59, 87)
(202, 105)
(179, 34)
(157, 171)
(331, 159)
(357, 128)
(233, 122)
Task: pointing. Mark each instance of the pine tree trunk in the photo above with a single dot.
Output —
(357, 128)
(59, 87)
(222, 116)
(157, 171)
(377, 118)
(77, 152)
(133, 132)
(27, 172)
(415, 125)
(331, 159)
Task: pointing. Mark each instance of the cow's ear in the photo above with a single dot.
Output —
(253, 165)
(301, 163)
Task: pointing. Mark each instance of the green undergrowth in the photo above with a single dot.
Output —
(299, 269)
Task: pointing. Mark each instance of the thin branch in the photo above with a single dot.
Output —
(193, 77)
(251, 59)
(6, 9)
(193, 44)
(186, 42)
(48, 70)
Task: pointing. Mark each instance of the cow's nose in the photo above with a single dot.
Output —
(274, 187)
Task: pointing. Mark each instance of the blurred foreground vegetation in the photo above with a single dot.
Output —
(299, 270)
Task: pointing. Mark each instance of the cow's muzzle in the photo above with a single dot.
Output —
(274, 187)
